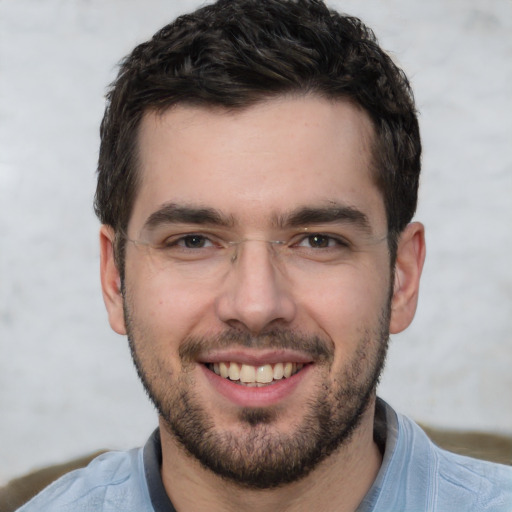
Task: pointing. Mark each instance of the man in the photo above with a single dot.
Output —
(258, 175)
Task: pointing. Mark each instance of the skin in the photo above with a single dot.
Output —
(255, 166)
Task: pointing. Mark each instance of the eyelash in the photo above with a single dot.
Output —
(182, 240)
(332, 241)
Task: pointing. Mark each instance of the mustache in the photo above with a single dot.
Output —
(319, 349)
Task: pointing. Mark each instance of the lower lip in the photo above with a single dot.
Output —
(246, 396)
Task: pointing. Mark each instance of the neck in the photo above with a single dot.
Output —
(337, 484)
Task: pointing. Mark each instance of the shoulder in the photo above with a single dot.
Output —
(114, 481)
(456, 481)
(487, 486)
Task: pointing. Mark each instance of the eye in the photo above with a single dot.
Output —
(194, 241)
(191, 241)
(321, 241)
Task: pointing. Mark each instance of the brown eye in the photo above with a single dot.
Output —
(319, 241)
(194, 241)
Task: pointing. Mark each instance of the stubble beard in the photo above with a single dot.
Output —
(256, 455)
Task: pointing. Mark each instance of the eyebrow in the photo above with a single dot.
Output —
(326, 215)
(171, 213)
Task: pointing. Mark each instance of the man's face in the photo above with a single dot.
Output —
(259, 249)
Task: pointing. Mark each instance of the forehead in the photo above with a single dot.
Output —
(257, 163)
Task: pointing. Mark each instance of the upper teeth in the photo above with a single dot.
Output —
(248, 374)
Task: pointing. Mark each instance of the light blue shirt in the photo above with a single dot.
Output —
(415, 476)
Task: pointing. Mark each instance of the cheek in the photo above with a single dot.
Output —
(168, 308)
(347, 304)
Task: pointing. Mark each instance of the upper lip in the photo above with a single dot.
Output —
(254, 357)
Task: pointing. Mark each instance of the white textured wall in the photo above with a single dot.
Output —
(66, 382)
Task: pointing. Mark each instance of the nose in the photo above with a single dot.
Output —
(256, 293)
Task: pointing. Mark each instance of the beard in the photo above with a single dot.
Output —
(256, 455)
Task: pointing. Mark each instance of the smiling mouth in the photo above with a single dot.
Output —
(255, 376)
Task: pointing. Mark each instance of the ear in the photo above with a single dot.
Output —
(409, 264)
(111, 281)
